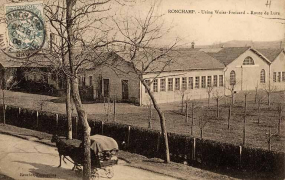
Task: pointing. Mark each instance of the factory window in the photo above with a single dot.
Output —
(262, 76)
(248, 61)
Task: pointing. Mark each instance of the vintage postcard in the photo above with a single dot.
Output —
(142, 89)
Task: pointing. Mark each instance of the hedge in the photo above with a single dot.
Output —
(210, 154)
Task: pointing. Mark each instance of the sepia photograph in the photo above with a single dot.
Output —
(142, 89)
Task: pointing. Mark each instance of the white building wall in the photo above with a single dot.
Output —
(247, 76)
(278, 67)
(115, 82)
(176, 95)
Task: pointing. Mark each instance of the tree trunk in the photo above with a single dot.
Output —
(268, 95)
(232, 98)
(4, 110)
(114, 118)
(192, 115)
(86, 129)
(209, 96)
(243, 137)
(280, 119)
(150, 116)
(218, 112)
(182, 103)
(68, 109)
(230, 114)
(256, 94)
(162, 121)
(244, 117)
(75, 92)
(245, 104)
(258, 121)
(186, 113)
(269, 140)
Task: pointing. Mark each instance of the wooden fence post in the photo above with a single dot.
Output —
(192, 114)
(102, 127)
(229, 115)
(240, 156)
(129, 133)
(37, 119)
(194, 149)
(115, 108)
(269, 140)
(158, 142)
(150, 116)
(244, 129)
(76, 127)
(4, 114)
(18, 117)
(56, 123)
(186, 112)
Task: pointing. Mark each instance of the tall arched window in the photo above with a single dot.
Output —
(262, 76)
(248, 61)
(232, 78)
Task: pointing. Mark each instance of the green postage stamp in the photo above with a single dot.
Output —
(25, 30)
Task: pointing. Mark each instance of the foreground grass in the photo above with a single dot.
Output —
(215, 128)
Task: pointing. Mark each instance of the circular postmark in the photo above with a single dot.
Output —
(25, 34)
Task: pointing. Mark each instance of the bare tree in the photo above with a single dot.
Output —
(229, 114)
(217, 96)
(82, 32)
(209, 90)
(280, 110)
(269, 88)
(259, 99)
(182, 93)
(231, 86)
(194, 105)
(203, 120)
(150, 114)
(246, 93)
(256, 93)
(107, 108)
(140, 36)
(187, 108)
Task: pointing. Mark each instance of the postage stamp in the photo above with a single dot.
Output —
(25, 31)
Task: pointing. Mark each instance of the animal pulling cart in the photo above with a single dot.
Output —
(103, 150)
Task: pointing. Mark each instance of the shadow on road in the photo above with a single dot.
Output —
(47, 171)
(4, 177)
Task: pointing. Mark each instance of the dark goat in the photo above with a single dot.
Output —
(64, 149)
(76, 154)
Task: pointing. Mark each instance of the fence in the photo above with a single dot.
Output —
(183, 149)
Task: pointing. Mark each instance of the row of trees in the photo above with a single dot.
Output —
(260, 96)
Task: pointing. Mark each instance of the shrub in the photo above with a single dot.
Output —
(47, 122)
(150, 143)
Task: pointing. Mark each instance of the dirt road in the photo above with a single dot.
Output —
(23, 159)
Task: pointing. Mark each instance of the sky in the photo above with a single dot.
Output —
(214, 28)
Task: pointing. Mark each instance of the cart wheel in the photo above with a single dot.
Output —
(94, 174)
(109, 172)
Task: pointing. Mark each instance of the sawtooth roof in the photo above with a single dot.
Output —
(177, 60)
(270, 54)
(228, 54)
